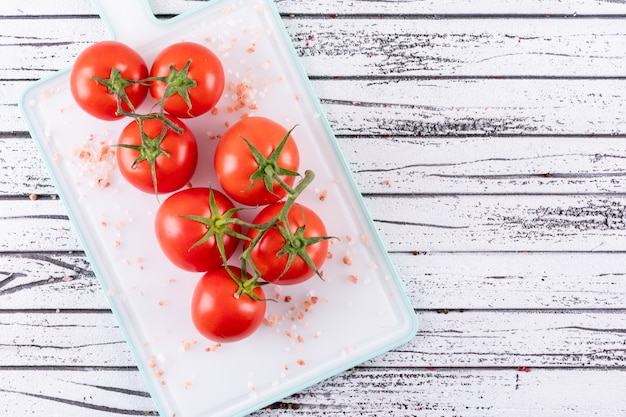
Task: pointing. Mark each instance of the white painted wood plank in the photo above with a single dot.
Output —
(334, 7)
(374, 47)
(28, 224)
(494, 281)
(10, 116)
(44, 8)
(464, 223)
(459, 47)
(34, 49)
(22, 171)
(447, 7)
(473, 107)
(62, 339)
(509, 339)
(489, 165)
(47, 281)
(466, 393)
(500, 223)
(79, 393)
(446, 107)
(437, 281)
(456, 339)
(402, 392)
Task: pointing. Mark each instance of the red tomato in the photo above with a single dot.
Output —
(178, 236)
(173, 158)
(235, 164)
(220, 313)
(99, 60)
(309, 240)
(193, 90)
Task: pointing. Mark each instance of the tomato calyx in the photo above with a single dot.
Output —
(246, 286)
(295, 245)
(116, 85)
(150, 149)
(268, 169)
(178, 82)
(218, 225)
(295, 242)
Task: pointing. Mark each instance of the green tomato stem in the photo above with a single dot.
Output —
(281, 217)
(219, 225)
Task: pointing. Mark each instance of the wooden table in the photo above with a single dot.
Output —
(489, 142)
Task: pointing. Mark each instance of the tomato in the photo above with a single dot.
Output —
(189, 224)
(220, 313)
(193, 90)
(252, 180)
(115, 64)
(272, 253)
(171, 158)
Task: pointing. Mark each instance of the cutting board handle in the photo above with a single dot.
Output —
(129, 21)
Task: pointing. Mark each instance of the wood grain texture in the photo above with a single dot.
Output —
(513, 107)
(397, 392)
(461, 223)
(406, 47)
(408, 165)
(489, 165)
(454, 339)
(411, 392)
(426, 108)
(354, 7)
(75, 392)
(487, 139)
(459, 47)
(434, 281)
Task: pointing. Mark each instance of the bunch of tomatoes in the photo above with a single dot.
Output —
(199, 228)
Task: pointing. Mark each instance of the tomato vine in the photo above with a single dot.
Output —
(277, 177)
